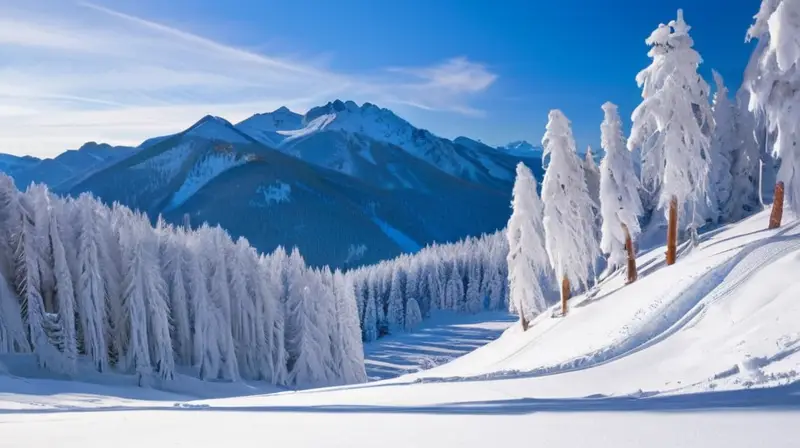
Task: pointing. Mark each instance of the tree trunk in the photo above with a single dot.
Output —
(632, 274)
(672, 232)
(777, 207)
(523, 321)
(564, 294)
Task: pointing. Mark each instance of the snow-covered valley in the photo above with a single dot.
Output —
(702, 353)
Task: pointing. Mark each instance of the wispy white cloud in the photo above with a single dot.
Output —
(77, 72)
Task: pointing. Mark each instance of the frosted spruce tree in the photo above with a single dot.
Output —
(723, 147)
(672, 125)
(527, 256)
(620, 203)
(774, 87)
(745, 162)
(568, 219)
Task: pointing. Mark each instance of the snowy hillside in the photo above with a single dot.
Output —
(702, 353)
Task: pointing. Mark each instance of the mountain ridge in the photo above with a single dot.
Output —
(341, 179)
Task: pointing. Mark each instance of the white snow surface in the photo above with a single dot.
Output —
(702, 353)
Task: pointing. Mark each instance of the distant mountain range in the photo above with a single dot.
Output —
(347, 184)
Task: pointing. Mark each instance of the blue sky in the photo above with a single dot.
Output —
(123, 70)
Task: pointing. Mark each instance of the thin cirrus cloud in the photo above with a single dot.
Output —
(87, 72)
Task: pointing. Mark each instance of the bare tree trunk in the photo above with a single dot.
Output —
(777, 207)
(564, 294)
(672, 232)
(632, 274)
(523, 321)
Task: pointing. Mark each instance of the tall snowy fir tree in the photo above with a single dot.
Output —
(672, 126)
(723, 147)
(745, 162)
(620, 203)
(568, 219)
(775, 91)
(591, 173)
(527, 257)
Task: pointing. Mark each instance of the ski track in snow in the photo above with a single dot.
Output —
(688, 305)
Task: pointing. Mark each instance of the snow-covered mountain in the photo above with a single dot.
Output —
(339, 180)
(328, 188)
(350, 138)
(68, 167)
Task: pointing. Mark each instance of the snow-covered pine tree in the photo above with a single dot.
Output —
(370, 322)
(723, 147)
(64, 291)
(395, 313)
(276, 264)
(474, 296)
(675, 109)
(173, 256)
(305, 340)
(592, 175)
(775, 90)
(206, 332)
(413, 315)
(29, 253)
(527, 256)
(620, 203)
(13, 334)
(351, 349)
(745, 169)
(568, 219)
(132, 329)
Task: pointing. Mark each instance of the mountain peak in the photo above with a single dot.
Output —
(216, 128)
(521, 148)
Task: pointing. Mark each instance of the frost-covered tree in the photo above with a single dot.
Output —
(90, 289)
(672, 126)
(620, 203)
(305, 339)
(527, 257)
(568, 219)
(774, 85)
(723, 147)
(394, 312)
(592, 175)
(173, 256)
(29, 253)
(133, 327)
(80, 278)
(745, 162)
(350, 348)
(413, 315)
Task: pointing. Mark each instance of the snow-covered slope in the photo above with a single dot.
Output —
(702, 353)
(266, 127)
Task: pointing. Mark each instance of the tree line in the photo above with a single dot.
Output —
(81, 279)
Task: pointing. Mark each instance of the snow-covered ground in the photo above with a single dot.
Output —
(702, 353)
(441, 339)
